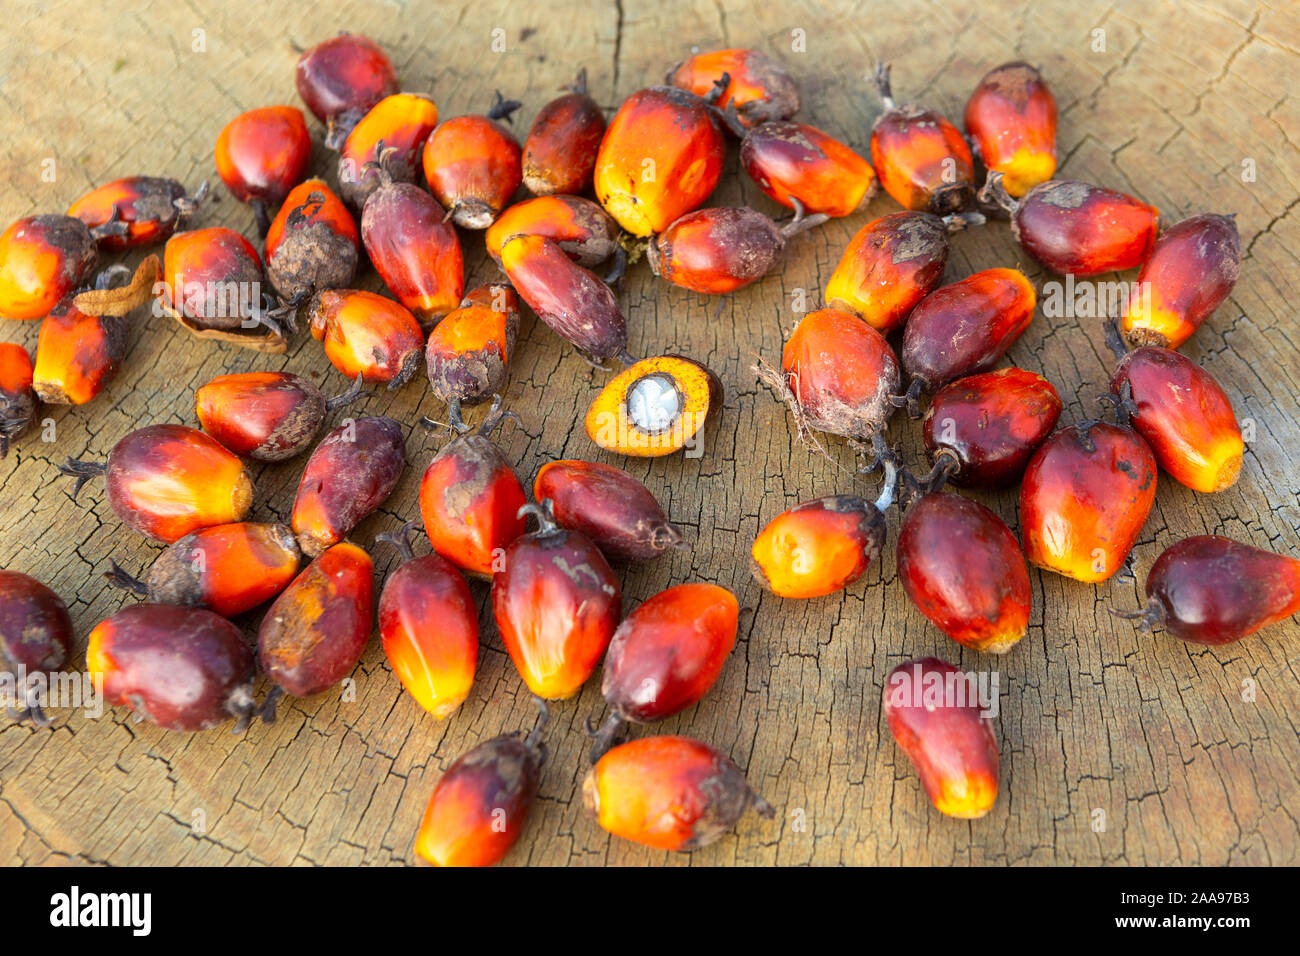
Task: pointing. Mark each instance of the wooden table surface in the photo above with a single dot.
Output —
(1158, 736)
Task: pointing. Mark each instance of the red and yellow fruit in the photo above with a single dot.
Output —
(314, 633)
(665, 656)
(1011, 118)
(470, 500)
(229, 568)
(351, 473)
(669, 793)
(413, 248)
(1213, 590)
(341, 79)
(151, 207)
(265, 416)
(428, 623)
(661, 157)
(42, 259)
(165, 481)
(17, 400)
(1075, 228)
(963, 569)
(609, 506)
(890, 265)
(1184, 415)
(397, 126)
(556, 602)
(837, 375)
(757, 85)
(921, 158)
(1086, 494)
(312, 243)
(180, 668)
(367, 335)
(261, 155)
(719, 250)
(472, 164)
(559, 155)
(1191, 271)
(936, 721)
(582, 230)
(795, 162)
(481, 804)
(989, 425)
(820, 546)
(965, 328)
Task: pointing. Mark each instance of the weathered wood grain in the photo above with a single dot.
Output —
(1152, 732)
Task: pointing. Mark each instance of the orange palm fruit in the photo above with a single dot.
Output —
(413, 248)
(401, 123)
(368, 335)
(35, 637)
(77, 355)
(722, 249)
(315, 632)
(795, 162)
(987, 426)
(313, 242)
(656, 406)
(481, 804)
(936, 719)
(821, 546)
(213, 286)
(17, 400)
(470, 500)
(265, 416)
(261, 155)
(661, 157)
(468, 354)
(665, 656)
(428, 623)
(759, 87)
(229, 568)
(1076, 228)
(670, 793)
(180, 668)
(837, 375)
(165, 481)
(977, 593)
(1086, 494)
(1192, 269)
(472, 164)
(1212, 590)
(556, 602)
(351, 473)
(921, 158)
(610, 507)
(890, 265)
(560, 152)
(1011, 117)
(1184, 415)
(576, 304)
(965, 328)
(42, 259)
(151, 207)
(582, 230)
(341, 79)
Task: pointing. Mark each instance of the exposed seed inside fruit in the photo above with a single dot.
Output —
(653, 402)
